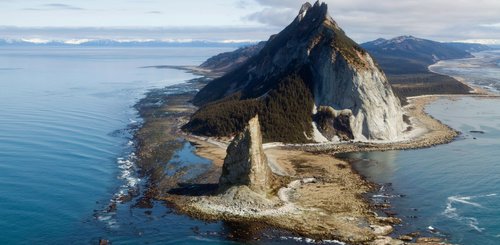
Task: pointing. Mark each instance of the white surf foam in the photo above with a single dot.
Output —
(130, 183)
(451, 210)
(310, 240)
(127, 173)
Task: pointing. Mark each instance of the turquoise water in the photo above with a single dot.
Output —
(65, 148)
(451, 190)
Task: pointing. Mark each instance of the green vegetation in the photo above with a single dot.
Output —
(348, 48)
(408, 85)
(285, 113)
(405, 61)
(223, 118)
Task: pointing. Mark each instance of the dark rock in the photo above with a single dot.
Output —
(477, 132)
(104, 242)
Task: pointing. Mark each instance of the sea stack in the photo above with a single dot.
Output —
(313, 52)
(245, 162)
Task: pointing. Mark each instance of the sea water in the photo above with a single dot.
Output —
(453, 190)
(65, 150)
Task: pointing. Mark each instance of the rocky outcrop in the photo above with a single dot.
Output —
(339, 73)
(332, 123)
(245, 162)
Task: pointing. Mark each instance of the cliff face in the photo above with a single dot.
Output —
(375, 111)
(338, 72)
(245, 162)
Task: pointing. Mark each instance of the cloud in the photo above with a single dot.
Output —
(277, 13)
(62, 6)
(54, 6)
(280, 3)
(131, 33)
(154, 12)
(364, 20)
(494, 25)
(272, 17)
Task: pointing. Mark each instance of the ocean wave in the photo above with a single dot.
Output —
(127, 173)
(386, 196)
(451, 211)
(310, 240)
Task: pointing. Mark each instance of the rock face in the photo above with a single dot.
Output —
(245, 162)
(339, 73)
(332, 123)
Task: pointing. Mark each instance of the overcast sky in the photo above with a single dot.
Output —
(363, 20)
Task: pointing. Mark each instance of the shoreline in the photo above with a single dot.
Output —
(193, 201)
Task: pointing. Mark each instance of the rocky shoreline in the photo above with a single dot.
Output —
(300, 169)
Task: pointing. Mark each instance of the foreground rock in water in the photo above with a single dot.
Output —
(315, 52)
(246, 163)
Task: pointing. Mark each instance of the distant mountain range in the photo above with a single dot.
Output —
(35, 42)
(228, 61)
(400, 55)
(404, 59)
(408, 54)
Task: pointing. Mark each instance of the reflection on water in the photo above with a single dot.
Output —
(380, 164)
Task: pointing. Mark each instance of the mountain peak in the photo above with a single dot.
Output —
(312, 57)
(318, 11)
(303, 10)
(404, 38)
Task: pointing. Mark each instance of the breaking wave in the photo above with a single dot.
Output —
(451, 210)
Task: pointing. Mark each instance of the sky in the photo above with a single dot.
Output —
(362, 20)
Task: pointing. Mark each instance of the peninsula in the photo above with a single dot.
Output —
(271, 126)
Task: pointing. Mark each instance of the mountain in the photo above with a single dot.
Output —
(470, 47)
(35, 42)
(310, 64)
(408, 54)
(228, 61)
(406, 59)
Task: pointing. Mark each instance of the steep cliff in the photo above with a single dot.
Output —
(245, 162)
(336, 71)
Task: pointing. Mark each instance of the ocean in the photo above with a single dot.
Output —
(66, 118)
(453, 190)
(66, 150)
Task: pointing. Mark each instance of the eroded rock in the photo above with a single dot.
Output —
(246, 163)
